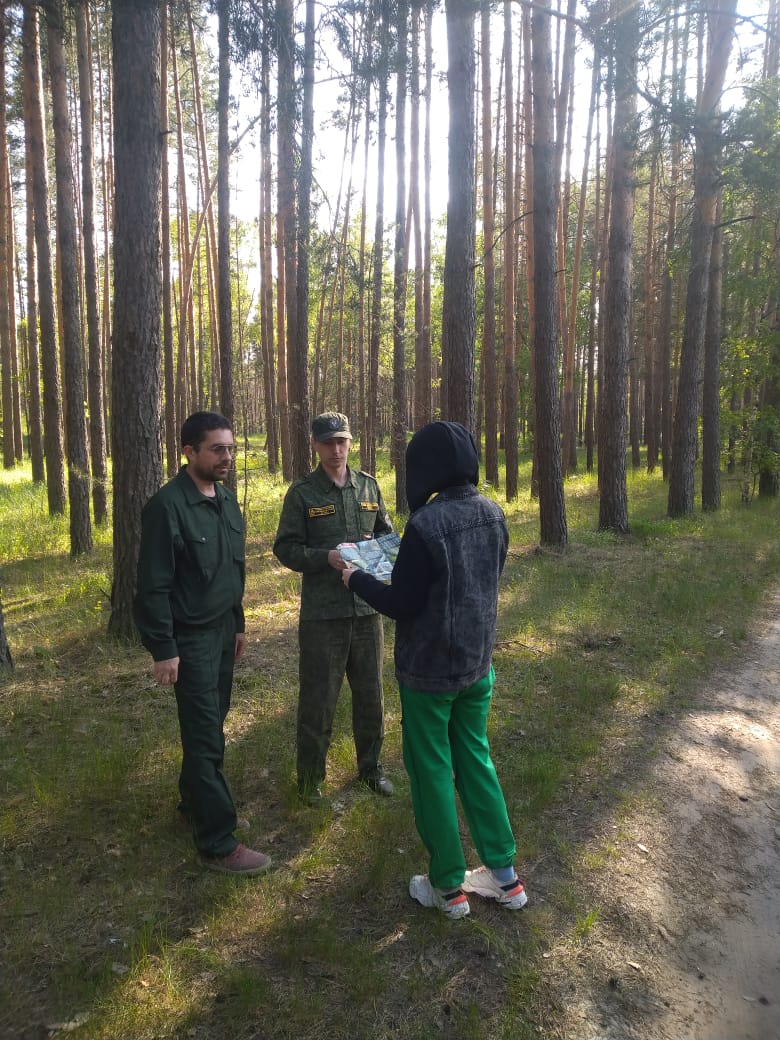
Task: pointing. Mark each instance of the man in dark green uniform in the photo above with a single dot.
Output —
(188, 611)
(338, 634)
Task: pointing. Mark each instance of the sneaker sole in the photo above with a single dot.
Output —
(425, 896)
(516, 902)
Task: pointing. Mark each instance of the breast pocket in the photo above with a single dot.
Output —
(324, 527)
(203, 554)
(237, 540)
(369, 512)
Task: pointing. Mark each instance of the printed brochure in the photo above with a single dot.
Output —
(374, 555)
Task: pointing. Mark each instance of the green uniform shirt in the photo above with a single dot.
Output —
(316, 516)
(190, 565)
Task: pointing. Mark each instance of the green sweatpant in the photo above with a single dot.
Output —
(445, 748)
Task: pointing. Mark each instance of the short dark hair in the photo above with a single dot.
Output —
(197, 425)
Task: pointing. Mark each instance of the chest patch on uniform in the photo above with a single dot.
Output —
(328, 510)
(373, 506)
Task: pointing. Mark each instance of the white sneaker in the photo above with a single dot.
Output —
(482, 882)
(454, 904)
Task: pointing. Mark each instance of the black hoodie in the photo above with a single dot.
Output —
(444, 591)
(440, 455)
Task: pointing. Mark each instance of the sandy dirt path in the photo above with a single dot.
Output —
(688, 942)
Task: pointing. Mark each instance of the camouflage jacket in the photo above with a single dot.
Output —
(316, 516)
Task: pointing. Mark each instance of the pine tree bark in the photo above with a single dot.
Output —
(707, 134)
(53, 438)
(458, 320)
(510, 265)
(35, 412)
(97, 435)
(67, 254)
(400, 265)
(613, 504)
(710, 456)
(286, 227)
(570, 409)
(135, 414)
(552, 509)
(489, 365)
(172, 450)
(266, 250)
(422, 360)
(6, 301)
(427, 216)
(299, 362)
(224, 294)
(372, 404)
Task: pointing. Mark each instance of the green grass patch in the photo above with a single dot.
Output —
(109, 926)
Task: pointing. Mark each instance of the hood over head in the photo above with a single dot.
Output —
(440, 455)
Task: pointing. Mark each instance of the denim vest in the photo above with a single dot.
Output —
(449, 645)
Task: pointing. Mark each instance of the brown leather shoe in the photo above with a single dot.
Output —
(240, 861)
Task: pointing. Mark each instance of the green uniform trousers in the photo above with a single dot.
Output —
(207, 656)
(328, 650)
(445, 735)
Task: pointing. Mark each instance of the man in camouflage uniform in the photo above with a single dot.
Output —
(338, 633)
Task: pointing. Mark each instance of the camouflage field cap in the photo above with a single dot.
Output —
(329, 425)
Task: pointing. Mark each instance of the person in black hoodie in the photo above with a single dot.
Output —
(444, 599)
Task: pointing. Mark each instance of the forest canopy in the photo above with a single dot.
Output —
(556, 225)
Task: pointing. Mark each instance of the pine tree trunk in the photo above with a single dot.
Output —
(427, 218)
(590, 398)
(372, 404)
(6, 300)
(530, 258)
(489, 368)
(510, 264)
(35, 414)
(266, 264)
(54, 448)
(299, 361)
(97, 436)
(613, 505)
(286, 228)
(570, 410)
(710, 458)
(422, 363)
(458, 309)
(172, 451)
(224, 294)
(362, 407)
(708, 147)
(552, 510)
(135, 413)
(398, 448)
(73, 369)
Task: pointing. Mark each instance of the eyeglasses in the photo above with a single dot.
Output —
(222, 449)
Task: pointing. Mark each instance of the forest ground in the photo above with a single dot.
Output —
(687, 945)
(636, 729)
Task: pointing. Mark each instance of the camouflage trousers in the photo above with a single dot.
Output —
(329, 650)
